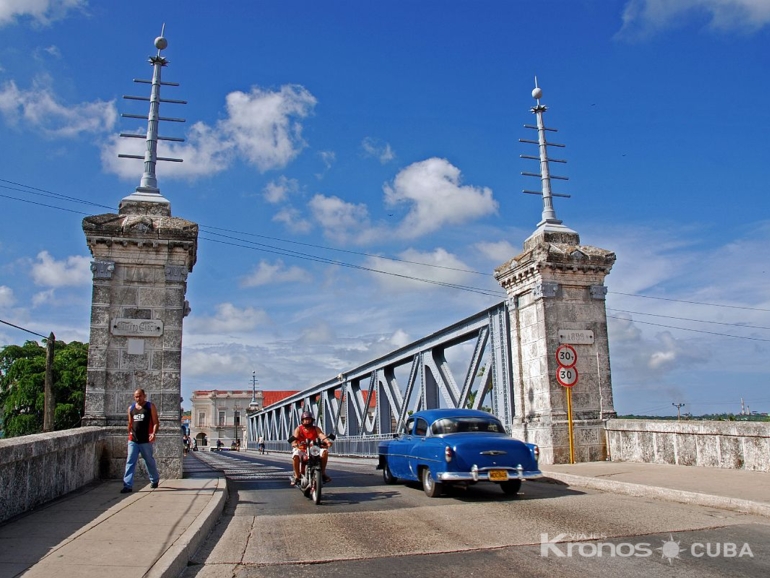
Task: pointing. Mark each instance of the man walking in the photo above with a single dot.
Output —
(143, 424)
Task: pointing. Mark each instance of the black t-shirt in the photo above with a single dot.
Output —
(141, 423)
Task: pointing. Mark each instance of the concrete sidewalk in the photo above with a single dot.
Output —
(740, 490)
(98, 532)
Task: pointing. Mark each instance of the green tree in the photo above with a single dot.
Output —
(22, 386)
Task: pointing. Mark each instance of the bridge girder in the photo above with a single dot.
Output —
(369, 400)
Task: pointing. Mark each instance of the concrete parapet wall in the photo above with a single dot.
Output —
(716, 444)
(41, 467)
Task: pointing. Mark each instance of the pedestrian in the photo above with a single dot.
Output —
(143, 424)
(261, 444)
(186, 443)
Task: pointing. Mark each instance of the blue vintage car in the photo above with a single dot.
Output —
(442, 447)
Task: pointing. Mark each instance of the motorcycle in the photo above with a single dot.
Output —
(311, 481)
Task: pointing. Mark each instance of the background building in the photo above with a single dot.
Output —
(221, 414)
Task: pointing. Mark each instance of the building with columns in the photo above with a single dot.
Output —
(221, 414)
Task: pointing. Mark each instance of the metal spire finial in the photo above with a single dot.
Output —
(148, 187)
(549, 213)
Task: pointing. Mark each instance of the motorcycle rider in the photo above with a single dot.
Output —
(303, 434)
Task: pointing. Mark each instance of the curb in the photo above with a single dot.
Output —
(681, 496)
(175, 559)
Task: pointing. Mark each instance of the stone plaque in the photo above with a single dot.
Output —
(136, 327)
(576, 336)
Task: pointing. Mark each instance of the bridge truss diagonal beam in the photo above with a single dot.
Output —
(374, 400)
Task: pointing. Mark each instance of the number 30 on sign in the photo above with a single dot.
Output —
(566, 376)
(566, 356)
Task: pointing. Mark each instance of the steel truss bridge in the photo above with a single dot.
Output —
(372, 401)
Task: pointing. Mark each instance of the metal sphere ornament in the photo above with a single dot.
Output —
(537, 93)
(161, 43)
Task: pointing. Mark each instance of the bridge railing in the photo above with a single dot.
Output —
(37, 468)
(359, 446)
(467, 364)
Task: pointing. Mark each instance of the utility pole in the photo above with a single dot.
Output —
(678, 406)
(49, 403)
(254, 406)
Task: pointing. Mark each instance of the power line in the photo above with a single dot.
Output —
(692, 302)
(688, 329)
(326, 248)
(290, 253)
(689, 319)
(45, 193)
(23, 329)
(297, 254)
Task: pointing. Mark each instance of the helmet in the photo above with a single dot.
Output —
(307, 415)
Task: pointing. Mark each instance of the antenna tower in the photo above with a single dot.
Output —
(549, 219)
(148, 190)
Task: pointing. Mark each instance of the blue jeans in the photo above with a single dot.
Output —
(134, 449)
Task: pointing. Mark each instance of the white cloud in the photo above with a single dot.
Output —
(273, 273)
(293, 220)
(43, 298)
(328, 158)
(228, 319)
(261, 127)
(73, 271)
(498, 252)
(42, 12)
(400, 339)
(7, 298)
(39, 109)
(438, 266)
(319, 333)
(215, 363)
(262, 124)
(378, 150)
(432, 189)
(279, 190)
(642, 18)
(341, 220)
(204, 154)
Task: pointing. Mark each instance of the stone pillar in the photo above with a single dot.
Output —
(142, 256)
(556, 295)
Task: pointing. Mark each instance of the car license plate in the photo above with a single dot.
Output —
(498, 475)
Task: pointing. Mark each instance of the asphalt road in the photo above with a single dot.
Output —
(364, 527)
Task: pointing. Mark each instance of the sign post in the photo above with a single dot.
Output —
(567, 376)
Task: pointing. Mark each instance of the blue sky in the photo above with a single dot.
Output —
(331, 128)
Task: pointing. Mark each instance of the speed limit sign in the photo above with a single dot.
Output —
(566, 376)
(566, 356)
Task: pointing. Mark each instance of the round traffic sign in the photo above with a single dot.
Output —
(566, 376)
(566, 356)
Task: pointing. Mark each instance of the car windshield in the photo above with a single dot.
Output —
(449, 425)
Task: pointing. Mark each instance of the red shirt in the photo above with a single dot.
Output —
(304, 434)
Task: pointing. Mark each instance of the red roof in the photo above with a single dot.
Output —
(271, 397)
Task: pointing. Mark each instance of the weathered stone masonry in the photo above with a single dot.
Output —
(142, 256)
(556, 284)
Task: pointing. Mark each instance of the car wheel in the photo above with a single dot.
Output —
(431, 487)
(387, 475)
(511, 487)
